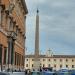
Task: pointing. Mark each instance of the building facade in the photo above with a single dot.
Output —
(55, 61)
(12, 33)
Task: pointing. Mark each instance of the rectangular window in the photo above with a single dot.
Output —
(66, 60)
(60, 60)
(40, 64)
(55, 60)
(11, 26)
(26, 59)
(43, 59)
(60, 66)
(72, 60)
(43, 65)
(48, 65)
(48, 59)
(32, 59)
(66, 66)
(19, 59)
(22, 60)
(3, 19)
(26, 65)
(8, 23)
(15, 58)
(32, 65)
(5, 51)
(55, 65)
(38, 59)
(72, 66)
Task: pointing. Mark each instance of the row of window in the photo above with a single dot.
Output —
(54, 65)
(54, 60)
(19, 59)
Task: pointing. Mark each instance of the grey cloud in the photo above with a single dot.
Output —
(57, 21)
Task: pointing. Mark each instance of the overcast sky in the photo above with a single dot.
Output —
(57, 26)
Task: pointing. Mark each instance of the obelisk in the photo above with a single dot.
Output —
(36, 60)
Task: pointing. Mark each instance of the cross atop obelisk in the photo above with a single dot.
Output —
(36, 62)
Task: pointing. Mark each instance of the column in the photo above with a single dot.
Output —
(13, 54)
(9, 52)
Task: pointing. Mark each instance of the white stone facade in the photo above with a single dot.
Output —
(55, 61)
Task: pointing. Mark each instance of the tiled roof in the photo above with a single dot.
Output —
(54, 56)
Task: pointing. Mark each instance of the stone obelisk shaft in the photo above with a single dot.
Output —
(37, 36)
(36, 64)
